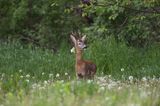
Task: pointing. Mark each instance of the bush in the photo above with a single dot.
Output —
(48, 23)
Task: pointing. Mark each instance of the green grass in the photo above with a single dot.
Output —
(111, 58)
(40, 77)
(88, 93)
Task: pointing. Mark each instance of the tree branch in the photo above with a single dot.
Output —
(147, 10)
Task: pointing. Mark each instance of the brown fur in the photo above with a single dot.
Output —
(84, 69)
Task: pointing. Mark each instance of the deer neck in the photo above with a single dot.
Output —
(78, 56)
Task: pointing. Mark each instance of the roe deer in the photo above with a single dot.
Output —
(84, 69)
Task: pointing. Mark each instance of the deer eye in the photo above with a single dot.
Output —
(79, 43)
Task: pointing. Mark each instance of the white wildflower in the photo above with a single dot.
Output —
(122, 69)
(154, 78)
(61, 90)
(66, 73)
(38, 85)
(101, 88)
(45, 82)
(49, 81)
(27, 80)
(110, 86)
(20, 70)
(50, 75)
(107, 98)
(109, 76)
(43, 73)
(62, 81)
(73, 50)
(21, 76)
(144, 79)
(3, 74)
(130, 78)
(27, 75)
(69, 77)
(41, 88)
(57, 75)
(34, 86)
(119, 88)
(89, 81)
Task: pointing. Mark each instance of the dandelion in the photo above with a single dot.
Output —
(62, 81)
(38, 85)
(3, 74)
(111, 85)
(61, 90)
(89, 81)
(27, 80)
(57, 75)
(69, 77)
(119, 88)
(101, 88)
(43, 73)
(21, 76)
(45, 82)
(154, 77)
(66, 73)
(107, 98)
(11, 75)
(41, 88)
(20, 70)
(130, 78)
(144, 79)
(49, 81)
(50, 75)
(27, 75)
(34, 85)
(73, 50)
(122, 69)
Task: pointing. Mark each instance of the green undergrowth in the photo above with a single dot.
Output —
(18, 61)
(87, 93)
(111, 58)
(32, 76)
(117, 59)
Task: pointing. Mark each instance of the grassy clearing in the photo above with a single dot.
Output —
(100, 92)
(32, 76)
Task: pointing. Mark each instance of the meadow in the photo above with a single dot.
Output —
(126, 76)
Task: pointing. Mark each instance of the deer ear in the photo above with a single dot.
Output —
(73, 39)
(83, 38)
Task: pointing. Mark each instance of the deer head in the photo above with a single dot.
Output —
(79, 43)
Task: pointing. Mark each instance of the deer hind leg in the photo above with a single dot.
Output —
(80, 76)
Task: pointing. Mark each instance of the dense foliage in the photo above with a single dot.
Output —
(136, 22)
(43, 22)
(123, 37)
(47, 23)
